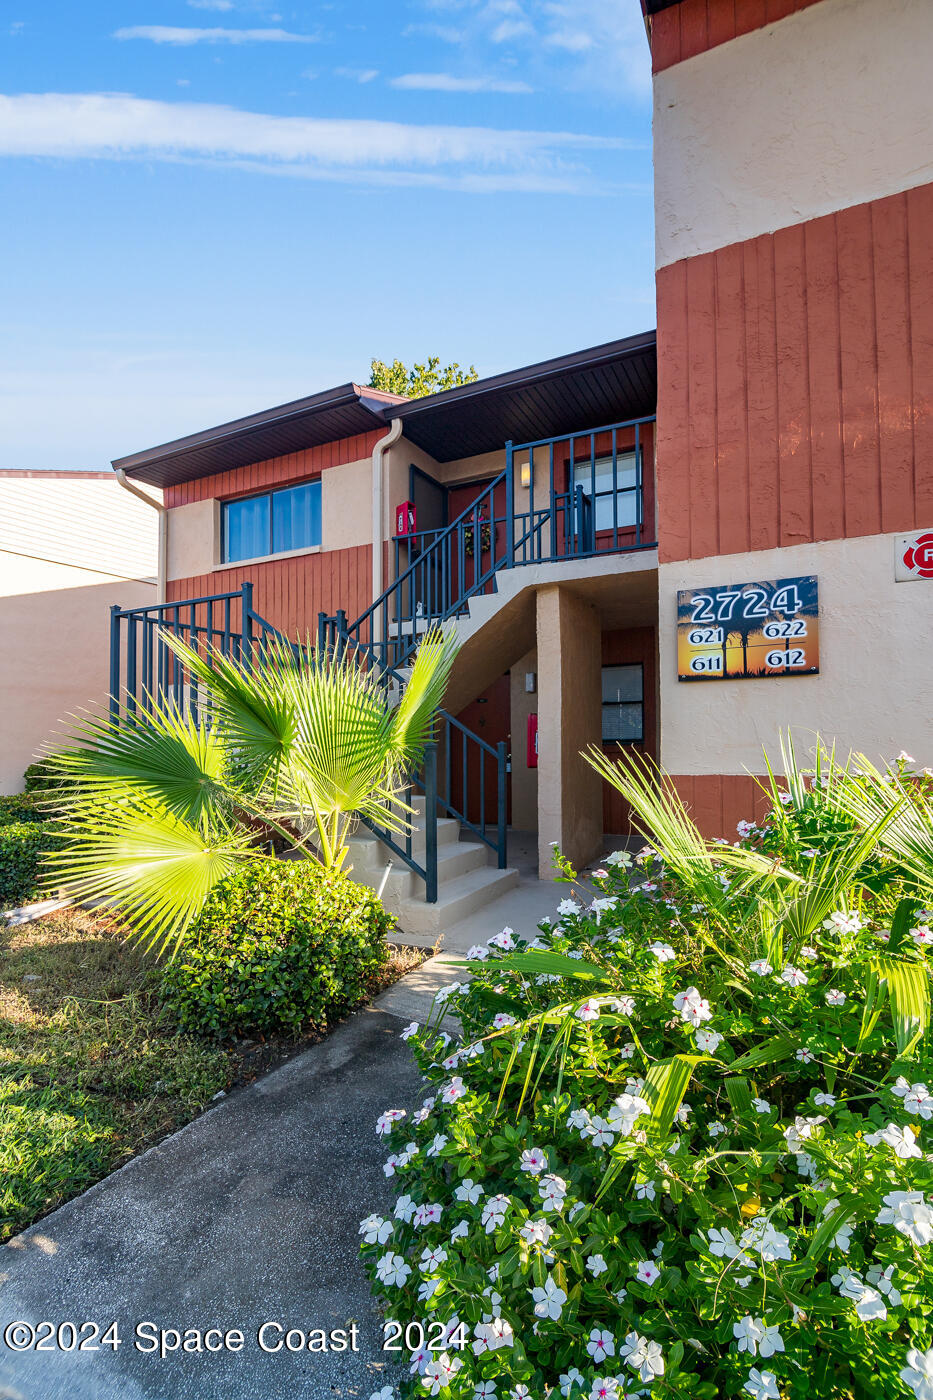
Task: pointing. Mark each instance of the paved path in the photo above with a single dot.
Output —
(249, 1214)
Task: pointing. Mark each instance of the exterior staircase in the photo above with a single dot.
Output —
(466, 881)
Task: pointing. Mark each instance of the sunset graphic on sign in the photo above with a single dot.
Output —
(749, 630)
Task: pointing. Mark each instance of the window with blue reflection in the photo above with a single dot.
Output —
(274, 523)
(296, 517)
(246, 528)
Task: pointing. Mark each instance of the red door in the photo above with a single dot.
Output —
(482, 541)
(488, 716)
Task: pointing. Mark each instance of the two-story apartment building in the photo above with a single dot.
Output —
(678, 542)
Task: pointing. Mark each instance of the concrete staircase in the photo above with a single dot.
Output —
(467, 880)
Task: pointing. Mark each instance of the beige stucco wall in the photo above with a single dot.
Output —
(827, 108)
(193, 539)
(570, 808)
(876, 663)
(54, 637)
(346, 512)
(524, 779)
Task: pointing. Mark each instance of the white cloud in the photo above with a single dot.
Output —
(448, 82)
(168, 34)
(211, 4)
(592, 46)
(474, 158)
(357, 75)
(445, 32)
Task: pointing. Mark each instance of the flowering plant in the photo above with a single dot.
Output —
(685, 1144)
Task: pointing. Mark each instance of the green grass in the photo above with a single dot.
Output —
(92, 1067)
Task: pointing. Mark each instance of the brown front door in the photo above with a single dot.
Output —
(483, 541)
(489, 717)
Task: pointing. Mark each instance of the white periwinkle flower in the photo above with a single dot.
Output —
(596, 1264)
(601, 1344)
(411, 1029)
(761, 967)
(646, 1272)
(533, 1161)
(709, 1041)
(909, 1213)
(917, 1097)
(386, 1121)
(643, 1356)
(901, 1139)
(918, 1373)
(549, 1300)
(468, 1190)
(693, 1008)
(794, 977)
(392, 1270)
(375, 1230)
(762, 1385)
(835, 997)
(662, 951)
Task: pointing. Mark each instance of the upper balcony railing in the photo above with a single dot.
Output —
(589, 493)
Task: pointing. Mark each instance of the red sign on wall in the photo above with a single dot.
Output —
(532, 748)
(406, 518)
(913, 556)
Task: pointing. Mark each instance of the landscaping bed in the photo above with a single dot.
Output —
(93, 1068)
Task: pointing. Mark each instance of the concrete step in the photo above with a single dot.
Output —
(456, 899)
(454, 859)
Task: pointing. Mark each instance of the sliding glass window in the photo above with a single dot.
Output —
(274, 523)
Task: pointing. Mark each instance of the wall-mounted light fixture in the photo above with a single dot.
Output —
(531, 682)
(525, 474)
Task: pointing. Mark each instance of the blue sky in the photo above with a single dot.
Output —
(213, 206)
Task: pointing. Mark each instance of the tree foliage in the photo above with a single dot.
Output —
(421, 379)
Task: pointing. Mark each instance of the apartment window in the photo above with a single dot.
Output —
(623, 704)
(274, 523)
(625, 514)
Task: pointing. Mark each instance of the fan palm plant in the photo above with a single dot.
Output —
(160, 806)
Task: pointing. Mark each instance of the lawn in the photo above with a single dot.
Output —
(92, 1069)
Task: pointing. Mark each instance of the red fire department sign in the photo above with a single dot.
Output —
(913, 556)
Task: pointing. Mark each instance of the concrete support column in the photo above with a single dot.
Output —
(570, 809)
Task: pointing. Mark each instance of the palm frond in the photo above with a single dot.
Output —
(250, 706)
(413, 718)
(160, 755)
(899, 809)
(154, 866)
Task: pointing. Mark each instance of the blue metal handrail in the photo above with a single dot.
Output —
(458, 742)
(144, 669)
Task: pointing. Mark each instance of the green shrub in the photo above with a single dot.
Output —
(22, 845)
(20, 807)
(44, 775)
(279, 945)
(710, 1171)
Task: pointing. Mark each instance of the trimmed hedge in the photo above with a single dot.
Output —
(20, 807)
(22, 845)
(279, 945)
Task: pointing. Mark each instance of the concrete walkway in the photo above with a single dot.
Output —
(250, 1214)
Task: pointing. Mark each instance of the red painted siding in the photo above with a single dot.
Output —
(631, 646)
(290, 593)
(719, 801)
(795, 400)
(274, 472)
(695, 26)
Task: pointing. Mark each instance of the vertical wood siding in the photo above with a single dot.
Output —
(277, 471)
(694, 26)
(290, 593)
(719, 801)
(795, 400)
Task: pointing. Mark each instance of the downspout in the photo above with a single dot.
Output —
(391, 437)
(162, 563)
